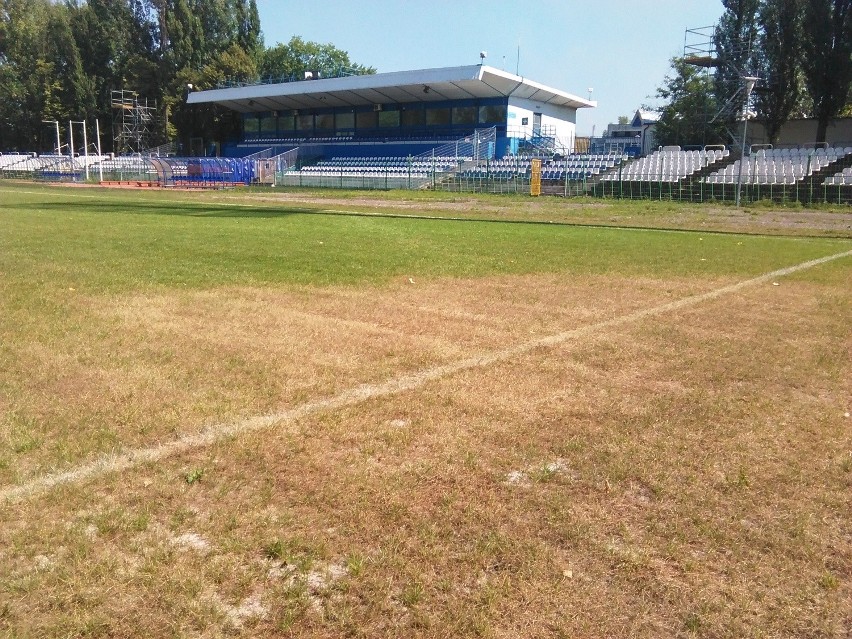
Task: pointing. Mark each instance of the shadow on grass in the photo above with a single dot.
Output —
(183, 209)
(248, 211)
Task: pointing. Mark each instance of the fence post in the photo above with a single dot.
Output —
(810, 179)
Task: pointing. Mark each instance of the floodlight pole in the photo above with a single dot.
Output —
(748, 82)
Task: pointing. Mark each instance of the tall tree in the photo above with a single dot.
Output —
(249, 36)
(734, 39)
(62, 59)
(30, 90)
(77, 95)
(827, 58)
(778, 53)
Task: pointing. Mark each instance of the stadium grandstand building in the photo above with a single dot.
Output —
(401, 113)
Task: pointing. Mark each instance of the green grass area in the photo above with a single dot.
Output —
(102, 241)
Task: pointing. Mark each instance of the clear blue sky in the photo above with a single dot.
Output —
(621, 48)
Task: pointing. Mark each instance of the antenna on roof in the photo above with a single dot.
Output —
(518, 63)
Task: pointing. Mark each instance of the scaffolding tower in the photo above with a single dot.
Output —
(700, 50)
(133, 121)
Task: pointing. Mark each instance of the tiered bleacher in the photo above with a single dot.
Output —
(842, 178)
(377, 165)
(778, 166)
(669, 164)
(24, 165)
(571, 167)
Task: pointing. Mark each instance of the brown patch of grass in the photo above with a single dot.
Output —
(147, 368)
(683, 476)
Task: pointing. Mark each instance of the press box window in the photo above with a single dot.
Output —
(493, 114)
(438, 117)
(388, 119)
(464, 115)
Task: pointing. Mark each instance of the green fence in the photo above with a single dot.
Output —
(804, 191)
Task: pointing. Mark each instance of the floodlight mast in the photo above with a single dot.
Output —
(700, 50)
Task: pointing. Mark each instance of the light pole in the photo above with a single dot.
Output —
(748, 83)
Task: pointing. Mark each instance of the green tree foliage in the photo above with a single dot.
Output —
(801, 51)
(77, 93)
(778, 56)
(291, 60)
(29, 88)
(827, 58)
(689, 106)
(62, 60)
(211, 121)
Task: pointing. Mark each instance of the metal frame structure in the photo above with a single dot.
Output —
(133, 121)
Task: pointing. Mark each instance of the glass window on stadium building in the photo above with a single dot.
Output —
(438, 116)
(286, 122)
(344, 122)
(305, 123)
(251, 126)
(269, 124)
(365, 120)
(493, 114)
(410, 119)
(325, 123)
(413, 115)
(464, 115)
(388, 119)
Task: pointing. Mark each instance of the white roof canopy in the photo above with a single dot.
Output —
(428, 85)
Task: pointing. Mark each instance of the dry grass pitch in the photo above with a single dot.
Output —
(431, 464)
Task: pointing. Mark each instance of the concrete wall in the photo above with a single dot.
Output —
(803, 133)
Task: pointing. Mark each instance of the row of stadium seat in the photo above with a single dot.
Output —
(780, 166)
(388, 164)
(668, 165)
(842, 178)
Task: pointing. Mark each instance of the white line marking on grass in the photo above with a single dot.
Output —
(353, 396)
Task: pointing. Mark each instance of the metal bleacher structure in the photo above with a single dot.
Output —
(806, 175)
(822, 174)
(149, 169)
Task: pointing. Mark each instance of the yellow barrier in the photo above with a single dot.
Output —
(535, 178)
